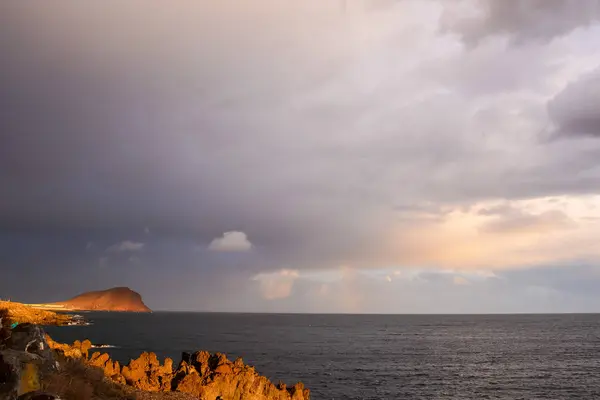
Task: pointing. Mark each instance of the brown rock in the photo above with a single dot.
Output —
(201, 374)
(200, 361)
(167, 368)
(86, 345)
(146, 373)
(214, 376)
(119, 379)
(192, 384)
(94, 356)
(115, 299)
(99, 359)
(76, 350)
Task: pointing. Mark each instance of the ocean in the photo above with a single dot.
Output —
(377, 356)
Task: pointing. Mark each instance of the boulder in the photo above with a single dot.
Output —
(30, 339)
(21, 372)
(25, 359)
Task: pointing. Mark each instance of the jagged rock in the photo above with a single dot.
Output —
(191, 383)
(214, 376)
(76, 350)
(201, 374)
(118, 378)
(104, 362)
(146, 373)
(182, 371)
(84, 347)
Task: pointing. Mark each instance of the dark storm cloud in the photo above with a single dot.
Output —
(104, 149)
(132, 130)
(537, 20)
(326, 138)
(575, 109)
(156, 125)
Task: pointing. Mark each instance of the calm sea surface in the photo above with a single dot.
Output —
(378, 356)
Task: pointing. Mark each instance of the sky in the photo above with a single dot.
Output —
(351, 156)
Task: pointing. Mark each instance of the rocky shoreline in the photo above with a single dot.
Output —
(204, 375)
(31, 362)
(21, 313)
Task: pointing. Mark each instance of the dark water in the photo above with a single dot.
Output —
(377, 356)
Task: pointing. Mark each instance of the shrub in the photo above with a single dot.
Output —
(77, 381)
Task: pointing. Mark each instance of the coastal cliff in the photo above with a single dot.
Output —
(115, 299)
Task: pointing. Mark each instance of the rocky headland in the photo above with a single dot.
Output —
(115, 299)
(35, 367)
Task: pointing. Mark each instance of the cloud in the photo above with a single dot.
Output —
(575, 109)
(277, 285)
(497, 234)
(125, 246)
(323, 289)
(497, 209)
(224, 132)
(461, 281)
(232, 241)
(538, 20)
(514, 221)
(103, 262)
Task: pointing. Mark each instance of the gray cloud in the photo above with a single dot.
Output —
(502, 209)
(538, 20)
(231, 241)
(327, 138)
(516, 221)
(575, 109)
(125, 246)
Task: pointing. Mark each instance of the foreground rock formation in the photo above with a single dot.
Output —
(25, 359)
(31, 363)
(115, 299)
(34, 367)
(201, 374)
